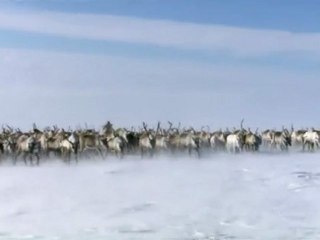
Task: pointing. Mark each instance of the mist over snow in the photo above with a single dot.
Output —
(240, 197)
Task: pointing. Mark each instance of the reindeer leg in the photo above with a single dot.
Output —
(151, 152)
(100, 153)
(76, 154)
(189, 151)
(70, 156)
(38, 158)
(31, 159)
(76, 157)
(16, 158)
(67, 158)
(25, 159)
(198, 152)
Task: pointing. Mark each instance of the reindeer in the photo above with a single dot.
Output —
(235, 141)
(114, 140)
(69, 145)
(146, 141)
(185, 140)
(115, 144)
(252, 141)
(204, 138)
(89, 140)
(218, 140)
(10, 141)
(133, 141)
(122, 134)
(188, 140)
(108, 131)
(297, 137)
(5, 146)
(281, 140)
(51, 141)
(266, 138)
(161, 139)
(311, 140)
(28, 146)
(66, 149)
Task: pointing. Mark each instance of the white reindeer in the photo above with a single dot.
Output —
(311, 139)
(233, 143)
(115, 145)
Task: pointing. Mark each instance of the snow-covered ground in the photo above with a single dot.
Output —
(250, 196)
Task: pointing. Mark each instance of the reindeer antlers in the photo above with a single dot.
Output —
(158, 127)
(241, 124)
(145, 126)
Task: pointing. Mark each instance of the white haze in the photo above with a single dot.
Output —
(250, 196)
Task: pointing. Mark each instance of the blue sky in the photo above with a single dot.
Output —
(293, 15)
(198, 62)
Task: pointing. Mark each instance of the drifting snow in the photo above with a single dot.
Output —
(248, 196)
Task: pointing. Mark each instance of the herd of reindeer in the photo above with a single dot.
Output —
(67, 145)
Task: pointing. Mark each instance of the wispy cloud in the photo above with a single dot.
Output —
(233, 40)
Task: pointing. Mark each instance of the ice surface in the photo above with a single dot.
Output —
(249, 196)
